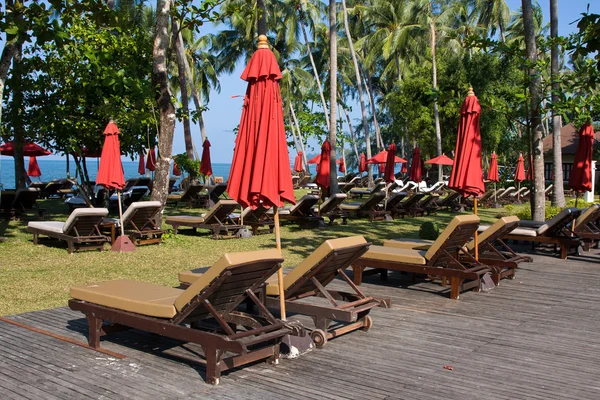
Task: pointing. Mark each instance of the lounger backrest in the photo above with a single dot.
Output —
(139, 213)
(219, 213)
(371, 202)
(217, 190)
(323, 264)
(557, 223)
(454, 237)
(378, 186)
(486, 195)
(591, 214)
(83, 221)
(191, 192)
(394, 200)
(25, 198)
(250, 215)
(506, 191)
(247, 269)
(304, 205)
(498, 230)
(450, 198)
(412, 200)
(7, 198)
(332, 203)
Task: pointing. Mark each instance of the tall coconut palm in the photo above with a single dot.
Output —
(333, 186)
(183, 87)
(558, 195)
(494, 15)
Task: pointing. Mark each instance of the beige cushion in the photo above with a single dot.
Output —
(351, 206)
(173, 197)
(524, 232)
(185, 219)
(446, 233)
(133, 296)
(131, 210)
(84, 212)
(416, 244)
(227, 260)
(47, 226)
(483, 236)
(312, 260)
(406, 256)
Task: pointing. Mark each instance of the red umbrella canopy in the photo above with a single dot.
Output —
(416, 171)
(580, 178)
(29, 149)
(298, 162)
(520, 172)
(342, 165)
(492, 174)
(260, 170)
(317, 160)
(362, 164)
(388, 174)
(34, 169)
(381, 168)
(440, 160)
(151, 161)
(110, 172)
(205, 164)
(467, 172)
(404, 168)
(141, 165)
(530, 169)
(322, 178)
(382, 158)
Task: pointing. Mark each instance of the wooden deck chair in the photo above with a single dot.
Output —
(555, 231)
(7, 197)
(409, 206)
(330, 208)
(548, 191)
(26, 200)
(302, 212)
(346, 187)
(214, 194)
(504, 195)
(443, 258)
(80, 230)
(428, 204)
(139, 222)
(348, 311)
(189, 196)
(302, 182)
(369, 207)
(585, 226)
(450, 202)
(377, 187)
(216, 219)
(209, 306)
(256, 219)
(486, 197)
(393, 200)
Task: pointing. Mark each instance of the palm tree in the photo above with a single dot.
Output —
(183, 87)
(333, 187)
(494, 15)
(558, 195)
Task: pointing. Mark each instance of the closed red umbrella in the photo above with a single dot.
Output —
(205, 164)
(29, 149)
(416, 172)
(362, 164)
(580, 178)
(151, 161)
(381, 168)
(529, 173)
(141, 165)
(317, 160)
(176, 170)
(322, 178)
(382, 158)
(492, 174)
(342, 168)
(298, 162)
(440, 160)
(388, 174)
(404, 168)
(520, 171)
(33, 169)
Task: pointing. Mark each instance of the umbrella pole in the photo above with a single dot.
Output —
(476, 232)
(280, 270)
(120, 213)
(495, 196)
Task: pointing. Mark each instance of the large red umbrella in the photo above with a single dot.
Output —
(33, 169)
(141, 165)
(382, 158)
(381, 168)
(260, 172)
(362, 164)
(388, 174)
(416, 172)
(492, 174)
(205, 164)
(322, 178)
(176, 170)
(404, 168)
(467, 173)
(342, 168)
(151, 161)
(440, 160)
(298, 162)
(29, 149)
(520, 171)
(580, 178)
(317, 160)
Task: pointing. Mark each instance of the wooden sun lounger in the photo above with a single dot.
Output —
(377, 187)
(211, 302)
(216, 219)
(451, 202)
(346, 187)
(349, 310)
(256, 219)
(330, 208)
(302, 212)
(7, 197)
(369, 207)
(214, 194)
(189, 196)
(586, 228)
(408, 206)
(139, 222)
(393, 200)
(81, 230)
(302, 182)
(443, 258)
(26, 200)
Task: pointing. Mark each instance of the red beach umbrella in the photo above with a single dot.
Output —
(151, 161)
(580, 178)
(467, 173)
(416, 171)
(382, 158)
(298, 162)
(440, 160)
(342, 168)
(29, 149)
(381, 168)
(388, 174)
(205, 164)
(520, 171)
(492, 174)
(141, 165)
(322, 178)
(176, 170)
(362, 164)
(34, 169)
(317, 160)
(404, 168)
(260, 171)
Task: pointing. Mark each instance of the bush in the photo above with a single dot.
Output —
(429, 231)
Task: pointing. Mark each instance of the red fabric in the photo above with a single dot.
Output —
(141, 165)
(342, 165)
(404, 168)
(580, 178)
(382, 158)
(176, 170)
(34, 169)
(440, 160)
(362, 164)
(151, 161)
(317, 160)
(205, 164)
(381, 168)
(467, 172)
(29, 149)
(520, 172)
(322, 178)
(529, 174)
(416, 171)
(388, 174)
(91, 153)
(492, 174)
(260, 171)
(110, 172)
(298, 162)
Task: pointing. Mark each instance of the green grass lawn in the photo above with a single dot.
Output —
(38, 277)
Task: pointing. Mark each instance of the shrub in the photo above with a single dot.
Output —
(429, 231)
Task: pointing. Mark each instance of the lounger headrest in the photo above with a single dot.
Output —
(83, 212)
(227, 260)
(446, 233)
(587, 215)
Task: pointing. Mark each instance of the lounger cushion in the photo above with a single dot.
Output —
(312, 260)
(446, 233)
(524, 232)
(47, 226)
(185, 219)
(227, 260)
(351, 206)
(133, 296)
(392, 254)
(174, 197)
(83, 212)
(401, 243)
(134, 207)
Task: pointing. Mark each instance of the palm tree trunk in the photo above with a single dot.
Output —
(19, 131)
(436, 114)
(351, 133)
(539, 200)
(304, 157)
(183, 87)
(558, 195)
(333, 69)
(8, 53)
(359, 88)
(160, 79)
(369, 88)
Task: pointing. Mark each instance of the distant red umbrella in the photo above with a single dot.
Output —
(404, 168)
(205, 164)
(529, 172)
(388, 174)
(492, 174)
(342, 168)
(362, 164)
(520, 171)
(29, 149)
(34, 169)
(382, 158)
(317, 160)
(141, 165)
(176, 170)
(151, 161)
(580, 178)
(322, 178)
(298, 162)
(416, 171)
(440, 160)
(467, 173)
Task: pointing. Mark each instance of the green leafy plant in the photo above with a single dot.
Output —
(192, 167)
(429, 231)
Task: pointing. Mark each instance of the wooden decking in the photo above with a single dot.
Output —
(536, 337)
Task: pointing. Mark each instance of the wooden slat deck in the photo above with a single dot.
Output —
(536, 337)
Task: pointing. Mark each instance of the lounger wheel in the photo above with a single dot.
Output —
(367, 323)
(319, 337)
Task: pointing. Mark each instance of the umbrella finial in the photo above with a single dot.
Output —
(470, 92)
(262, 42)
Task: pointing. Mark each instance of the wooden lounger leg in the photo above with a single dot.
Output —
(213, 372)
(71, 246)
(95, 331)
(455, 284)
(35, 238)
(358, 271)
(564, 251)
